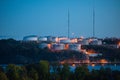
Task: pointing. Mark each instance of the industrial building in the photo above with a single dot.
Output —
(30, 38)
(42, 39)
(75, 47)
(58, 46)
(96, 42)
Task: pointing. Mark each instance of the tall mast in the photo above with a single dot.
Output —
(68, 24)
(93, 20)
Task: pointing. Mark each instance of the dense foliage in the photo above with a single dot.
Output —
(41, 71)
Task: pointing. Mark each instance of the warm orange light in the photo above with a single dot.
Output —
(91, 51)
(49, 46)
(92, 64)
(119, 44)
(103, 61)
(73, 64)
(66, 46)
(62, 38)
(74, 40)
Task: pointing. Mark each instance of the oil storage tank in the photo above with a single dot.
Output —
(42, 39)
(30, 38)
(75, 47)
(65, 41)
(58, 46)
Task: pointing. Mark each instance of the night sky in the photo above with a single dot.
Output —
(20, 18)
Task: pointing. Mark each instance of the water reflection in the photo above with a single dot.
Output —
(93, 66)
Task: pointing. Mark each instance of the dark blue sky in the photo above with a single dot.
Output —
(19, 18)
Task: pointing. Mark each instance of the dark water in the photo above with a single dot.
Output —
(90, 67)
(96, 67)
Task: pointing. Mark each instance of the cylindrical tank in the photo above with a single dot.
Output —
(55, 39)
(74, 40)
(62, 38)
(58, 46)
(84, 42)
(42, 38)
(49, 38)
(65, 41)
(76, 47)
(96, 42)
(30, 38)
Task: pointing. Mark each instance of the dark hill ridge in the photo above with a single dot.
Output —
(12, 51)
(18, 52)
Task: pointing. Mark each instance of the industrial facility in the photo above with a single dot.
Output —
(61, 43)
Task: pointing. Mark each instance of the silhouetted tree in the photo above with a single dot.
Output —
(32, 73)
(44, 70)
(65, 72)
(81, 72)
(3, 76)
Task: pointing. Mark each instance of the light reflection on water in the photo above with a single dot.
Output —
(95, 67)
(90, 67)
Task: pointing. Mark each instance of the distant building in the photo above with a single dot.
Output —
(45, 45)
(30, 38)
(52, 39)
(62, 38)
(55, 39)
(74, 40)
(76, 47)
(66, 41)
(49, 38)
(42, 38)
(96, 42)
(84, 42)
(58, 46)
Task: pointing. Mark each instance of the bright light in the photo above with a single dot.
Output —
(119, 44)
(66, 46)
(92, 64)
(73, 64)
(103, 61)
(49, 46)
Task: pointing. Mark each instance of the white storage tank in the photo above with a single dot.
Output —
(74, 40)
(84, 42)
(42, 38)
(58, 46)
(96, 42)
(62, 38)
(30, 38)
(76, 47)
(49, 38)
(65, 41)
(55, 39)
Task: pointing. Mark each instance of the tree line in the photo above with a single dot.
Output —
(41, 71)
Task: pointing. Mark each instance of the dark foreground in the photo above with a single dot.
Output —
(41, 71)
